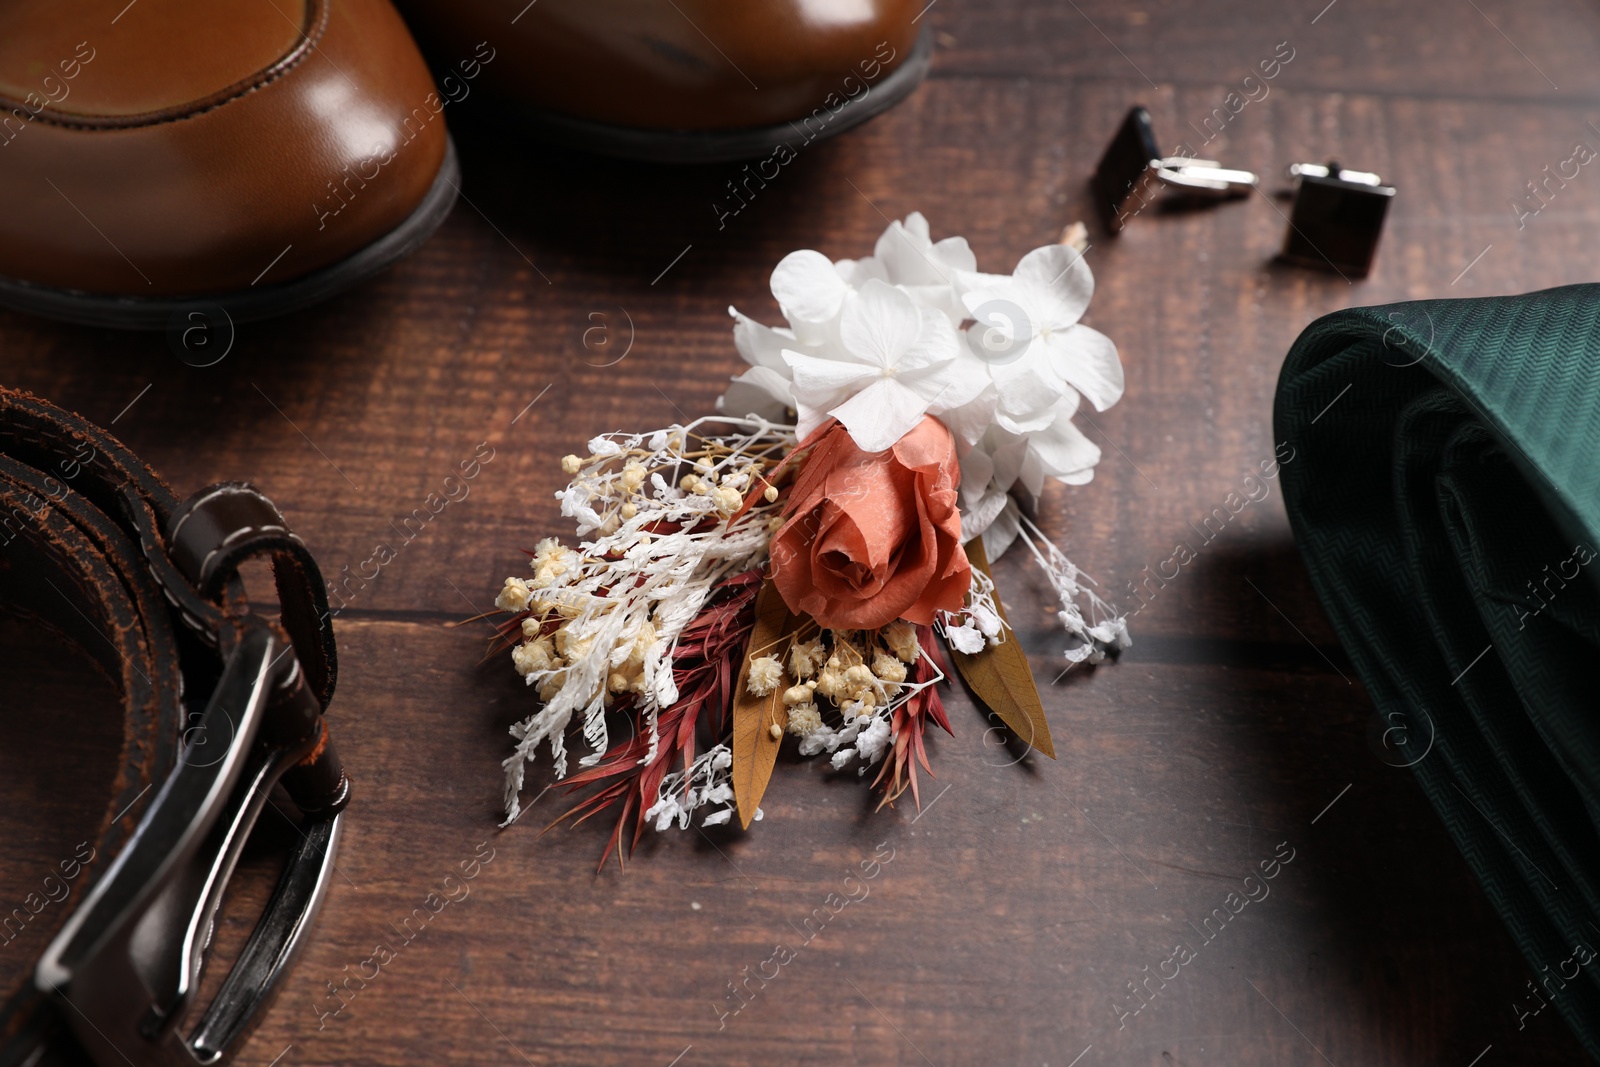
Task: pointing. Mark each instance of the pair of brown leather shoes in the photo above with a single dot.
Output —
(161, 156)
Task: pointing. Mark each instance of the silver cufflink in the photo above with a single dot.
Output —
(1337, 218)
(1133, 171)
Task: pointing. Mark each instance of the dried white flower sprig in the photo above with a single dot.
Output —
(603, 620)
(1105, 631)
(978, 624)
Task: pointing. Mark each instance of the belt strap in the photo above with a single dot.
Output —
(218, 703)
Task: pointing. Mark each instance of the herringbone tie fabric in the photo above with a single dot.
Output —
(1446, 498)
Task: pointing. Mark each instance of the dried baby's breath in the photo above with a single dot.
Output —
(604, 617)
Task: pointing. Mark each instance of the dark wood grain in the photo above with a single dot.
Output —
(1026, 897)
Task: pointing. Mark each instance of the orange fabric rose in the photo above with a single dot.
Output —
(872, 537)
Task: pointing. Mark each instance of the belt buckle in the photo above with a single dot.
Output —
(126, 967)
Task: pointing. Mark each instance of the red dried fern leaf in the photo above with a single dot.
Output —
(703, 670)
(908, 724)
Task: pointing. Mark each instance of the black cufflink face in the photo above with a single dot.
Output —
(1125, 173)
(1133, 171)
(1337, 219)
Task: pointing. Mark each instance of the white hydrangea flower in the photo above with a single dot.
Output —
(907, 256)
(896, 362)
(868, 342)
(811, 294)
(1042, 352)
(1001, 460)
(764, 389)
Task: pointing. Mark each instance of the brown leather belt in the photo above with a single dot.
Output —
(219, 705)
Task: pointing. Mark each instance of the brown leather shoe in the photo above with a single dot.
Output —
(686, 80)
(162, 155)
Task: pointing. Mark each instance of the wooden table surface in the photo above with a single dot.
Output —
(1025, 898)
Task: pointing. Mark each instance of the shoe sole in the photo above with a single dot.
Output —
(252, 304)
(727, 146)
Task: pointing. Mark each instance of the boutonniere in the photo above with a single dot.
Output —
(786, 571)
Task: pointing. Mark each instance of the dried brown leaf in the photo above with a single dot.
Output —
(755, 750)
(1001, 679)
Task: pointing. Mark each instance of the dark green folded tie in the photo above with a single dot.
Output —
(1446, 497)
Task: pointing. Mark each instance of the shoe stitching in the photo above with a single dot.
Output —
(311, 34)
